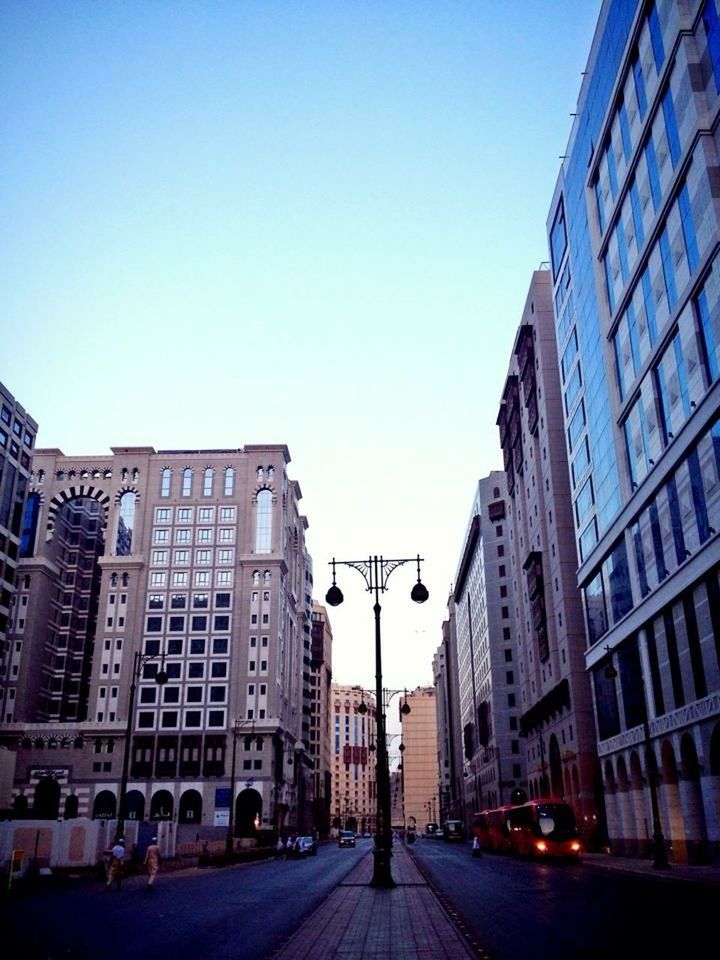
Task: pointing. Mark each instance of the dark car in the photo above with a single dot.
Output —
(304, 847)
(346, 838)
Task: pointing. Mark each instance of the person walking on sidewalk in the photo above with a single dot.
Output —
(117, 865)
(280, 849)
(152, 863)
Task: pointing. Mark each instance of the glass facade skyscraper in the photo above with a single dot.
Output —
(634, 235)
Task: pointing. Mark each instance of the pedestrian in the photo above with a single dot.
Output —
(152, 862)
(475, 846)
(289, 845)
(117, 865)
(280, 848)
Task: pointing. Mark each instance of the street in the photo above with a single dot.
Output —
(233, 913)
(518, 909)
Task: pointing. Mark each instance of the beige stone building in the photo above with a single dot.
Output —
(182, 566)
(556, 712)
(420, 758)
(353, 729)
(319, 745)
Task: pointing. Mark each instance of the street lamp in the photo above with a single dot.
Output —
(660, 857)
(376, 573)
(237, 727)
(161, 677)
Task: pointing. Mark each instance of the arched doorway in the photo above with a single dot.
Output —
(248, 813)
(161, 805)
(135, 805)
(105, 806)
(71, 806)
(556, 777)
(614, 826)
(692, 803)
(46, 802)
(637, 799)
(190, 809)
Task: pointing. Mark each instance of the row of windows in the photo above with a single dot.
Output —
(179, 601)
(683, 514)
(208, 480)
(16, 426)
(201, 578)
(214, 693)
(174, 719)
(204, 556)
(180, 624)
(185, 514)
(201, 535)
(193, 669)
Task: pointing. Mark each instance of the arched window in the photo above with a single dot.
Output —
(271, 473)
(266, 578)
(30, 522)
(256, 577)
(263, 530)
(229, 481)
(187, 482)
(259, 473)
(208, 482)
(165, 485)
(126, 522)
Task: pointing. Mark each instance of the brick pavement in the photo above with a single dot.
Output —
(358, 922)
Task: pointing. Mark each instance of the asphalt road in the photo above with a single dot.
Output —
(520, 910)
(233, 913)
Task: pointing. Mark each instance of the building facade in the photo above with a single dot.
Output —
(420, 772)
(633, 232)
(556, 723)
(447, 693)
(489, 675)
(319, 746)
(18, 431)
(177, 580)
(353, 732)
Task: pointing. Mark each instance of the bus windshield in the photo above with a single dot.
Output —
(556, 820)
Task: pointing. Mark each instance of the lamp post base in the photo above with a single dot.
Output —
(382, 876)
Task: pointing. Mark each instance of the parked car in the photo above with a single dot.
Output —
(346, 838)
(305, 847)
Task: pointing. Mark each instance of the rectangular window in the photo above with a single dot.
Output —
(595, 609)
(656, 38)
(220, 645)
(558, 239)
(577, 425)
(198, 623)
(671, 129)
(221, 622)
(712, 31)
(205, 514)
(625, 131)
(225, 556)
(640, 86)
(653, 175)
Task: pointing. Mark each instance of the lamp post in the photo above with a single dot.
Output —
(237, 727)
(376, 573)
(161, 677)
(660, 857)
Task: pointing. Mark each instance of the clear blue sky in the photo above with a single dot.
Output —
(308, 222)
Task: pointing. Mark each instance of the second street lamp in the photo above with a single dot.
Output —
(376, 573)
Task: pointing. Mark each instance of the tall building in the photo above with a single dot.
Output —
(489, 675)
(17, 440)
(354, 724)
(557, 725)
(320, 732)
(420, 773)
(176, 579)
(447, 692)
(633, 232)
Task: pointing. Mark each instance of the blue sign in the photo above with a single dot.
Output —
(222, 797)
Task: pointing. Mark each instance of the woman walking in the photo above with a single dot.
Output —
(152, 863)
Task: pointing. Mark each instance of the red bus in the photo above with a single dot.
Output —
(538, 828)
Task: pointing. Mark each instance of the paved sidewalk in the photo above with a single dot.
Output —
(358, 922)
(676, 871)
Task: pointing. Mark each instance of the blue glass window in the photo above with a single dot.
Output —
(625, 131)
(263, 528)
(576, 425)
(584, 501)
(29, 528)
(698, 495)
(573, 389)
(657, 541)
(637, 214)
(570, 353)
(675, 520)
(612, 172)
(712, 29)
(617, 577)
(671, 129)
(581, 461)
(656, 38)
(588, 539)
(595, 608)
(640, 560)
(640, 87)
(622, 249)
(708, 335)
(653, 174)
(688, 228)
(609, 287)
(558, 239)
(668, 271)
(649, 305)
(600, 206)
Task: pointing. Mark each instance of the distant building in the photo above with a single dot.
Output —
(353, 731)
(447, 692)
(420, 774)
(633, 231)
(187, 566)
(17, 441)
(320, 717)
(489, 672)
(556, 722)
